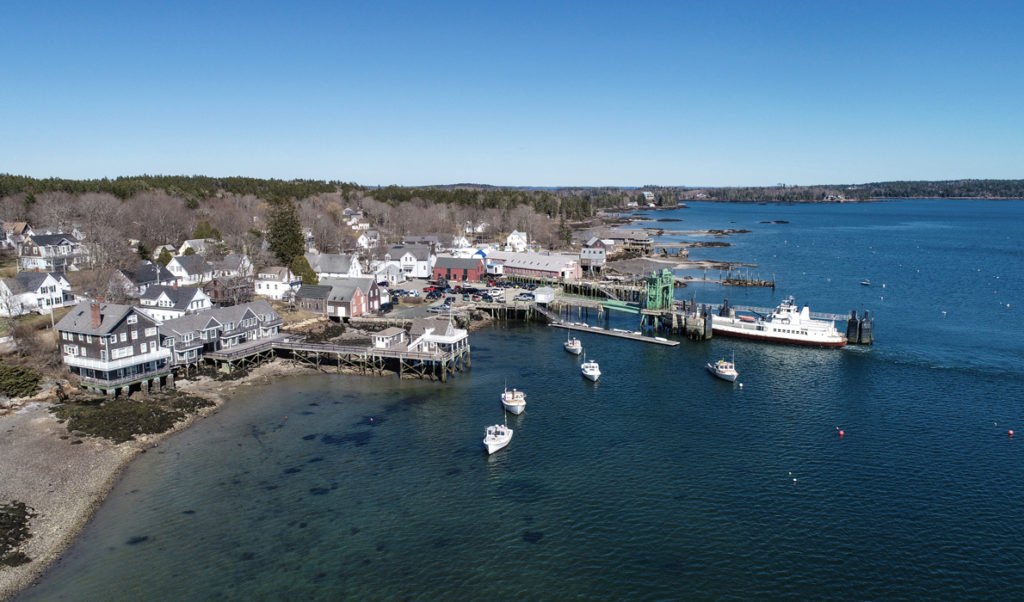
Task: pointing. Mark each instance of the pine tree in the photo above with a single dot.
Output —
(205, 230)
(165, 257)
(300, 267)
(284, 235)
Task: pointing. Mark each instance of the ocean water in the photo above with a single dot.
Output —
(657, 482)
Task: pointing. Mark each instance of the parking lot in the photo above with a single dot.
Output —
(420, 298)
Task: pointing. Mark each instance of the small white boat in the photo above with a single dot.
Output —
(514, 401)
(497, 437)
(590, 369)
(724, 370)
(866, 282)
(573, 345)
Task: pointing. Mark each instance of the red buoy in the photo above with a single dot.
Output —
(1011, 433)
(841, 433)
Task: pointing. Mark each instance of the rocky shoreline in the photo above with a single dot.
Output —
(62, 478)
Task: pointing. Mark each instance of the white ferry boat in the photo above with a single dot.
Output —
(786, 324)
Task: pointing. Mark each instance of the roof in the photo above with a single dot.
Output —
(313, 291)
(147, 272)
(534, 261)
(180, 297)
(419, 251)
(192, 264)
(221, 315)
(26, 282)
(232, 261)
(279, 273)
(329, 263)
(16, 227)
(458, 263)
(390, 332)
(48, 240)
(79, 319)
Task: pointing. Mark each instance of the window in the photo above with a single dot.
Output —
(124, 337)
(103, 355)
(135, 335)
(152, 346)
(151, 332)
(132, 319)
(88, 338)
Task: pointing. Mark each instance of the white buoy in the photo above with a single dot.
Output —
(741, 385)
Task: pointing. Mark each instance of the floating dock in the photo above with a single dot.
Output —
(632, 336)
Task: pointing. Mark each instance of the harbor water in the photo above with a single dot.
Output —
(659, 481)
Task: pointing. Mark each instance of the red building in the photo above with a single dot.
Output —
(459, 269)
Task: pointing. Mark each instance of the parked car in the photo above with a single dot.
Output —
(384, 283)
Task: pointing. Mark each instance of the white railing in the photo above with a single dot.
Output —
(108, 365)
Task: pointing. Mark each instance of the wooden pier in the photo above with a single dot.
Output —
(365, 360)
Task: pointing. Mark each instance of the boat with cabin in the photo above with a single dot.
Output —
(590, 369)
(497, 437)
(724, 369)
(513, 401)
(787, 323)
(573, 345)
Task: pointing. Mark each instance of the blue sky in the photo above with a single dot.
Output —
(515, 93)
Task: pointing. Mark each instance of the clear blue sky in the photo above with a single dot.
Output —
(515, 93)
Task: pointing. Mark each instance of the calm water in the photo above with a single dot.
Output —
(659, 481)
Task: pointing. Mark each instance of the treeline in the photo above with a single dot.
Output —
(573, 205)
(188, 187)
(979, 189)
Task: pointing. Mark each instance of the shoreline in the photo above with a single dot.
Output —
(65, 478)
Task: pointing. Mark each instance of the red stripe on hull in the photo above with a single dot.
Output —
(766, 339)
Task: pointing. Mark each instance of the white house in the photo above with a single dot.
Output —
(199, 245)
(164, 303)
(190, 269)
(431, 335)
(34, 291)
(334, 265)
(368, 239)
(276, 283)
(416, 261)
(388, 271)
(233, 265)
(51, 253)
(516, 241)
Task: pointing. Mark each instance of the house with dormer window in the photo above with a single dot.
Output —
(51, 253)
(190, 269)
(135, 281)
(164, 303)
(334, 265)
(276, 283)
(189, 337)
(113, 348)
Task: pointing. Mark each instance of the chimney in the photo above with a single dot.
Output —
(94, 311)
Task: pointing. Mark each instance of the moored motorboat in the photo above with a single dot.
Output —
(724, 370)
(513, 401)
(497, 437)
(573, 345)
(590, 370)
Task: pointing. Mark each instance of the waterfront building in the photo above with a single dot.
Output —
(593, 255)
(112, 347)
(538, 265)
(187, 338)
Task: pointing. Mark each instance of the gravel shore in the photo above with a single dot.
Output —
(65, 478)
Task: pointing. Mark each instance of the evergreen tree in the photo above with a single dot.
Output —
(205, 230)
(189, 251)
(165, 257)
(284, 234)
(300, 267)
(143, 251)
